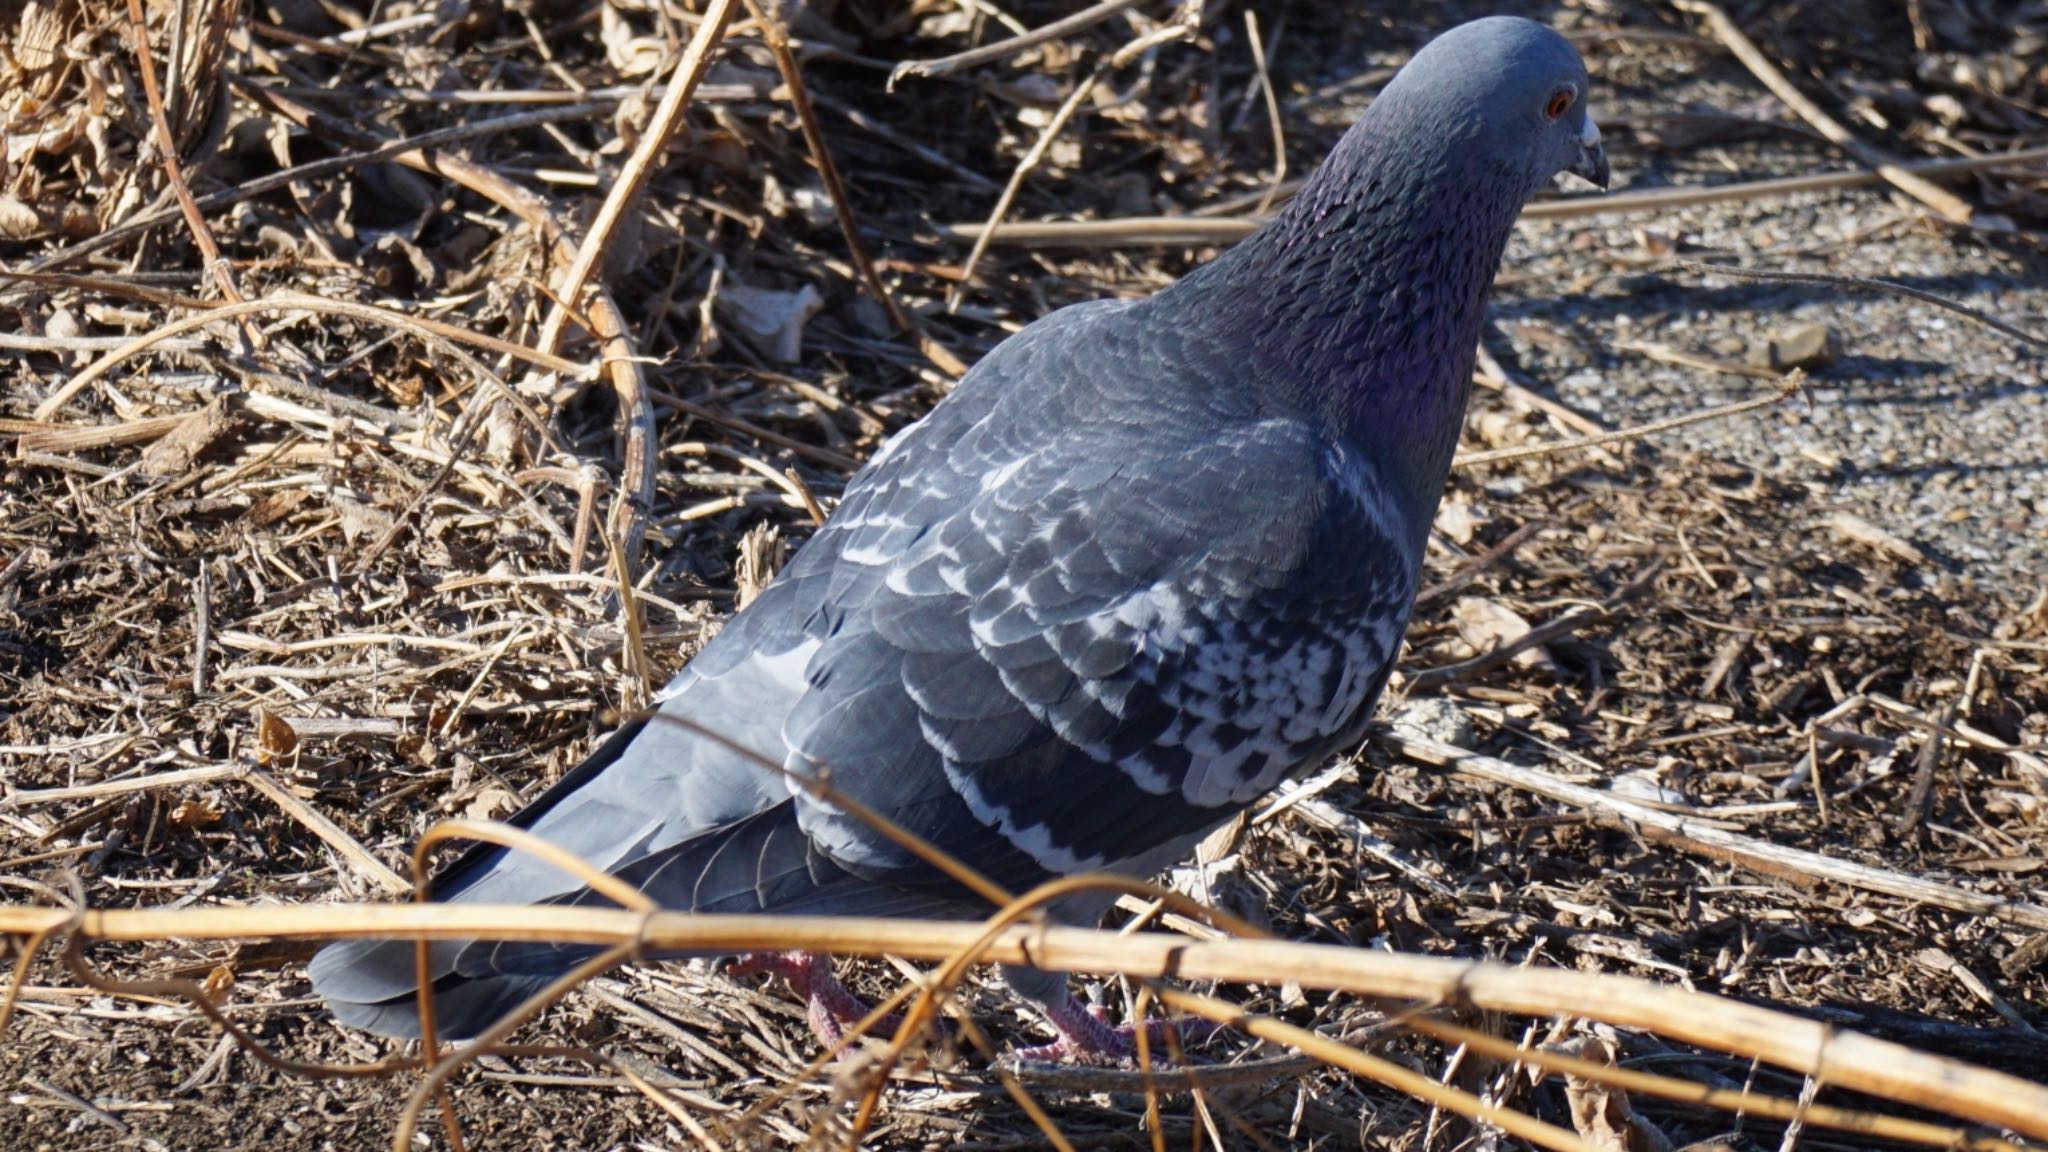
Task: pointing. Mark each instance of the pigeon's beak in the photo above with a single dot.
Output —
(1591, 166)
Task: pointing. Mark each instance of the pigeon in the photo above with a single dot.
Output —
(1148, 559)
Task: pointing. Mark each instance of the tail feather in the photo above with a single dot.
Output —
(372, 984)
(762, 864)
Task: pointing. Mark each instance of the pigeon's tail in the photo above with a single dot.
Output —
(371, 984)
(761, 864)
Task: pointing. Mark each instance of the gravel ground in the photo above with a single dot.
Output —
(1925, 424)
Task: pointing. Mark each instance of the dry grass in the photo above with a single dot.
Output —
(539, 372)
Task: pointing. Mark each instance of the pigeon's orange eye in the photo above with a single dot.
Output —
(1560, 103)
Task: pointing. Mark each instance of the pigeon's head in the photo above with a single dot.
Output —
(1510, 91)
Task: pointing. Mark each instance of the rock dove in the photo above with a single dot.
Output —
(1148, 560)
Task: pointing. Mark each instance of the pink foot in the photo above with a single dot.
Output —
(831, 1009)
(1087, 1037)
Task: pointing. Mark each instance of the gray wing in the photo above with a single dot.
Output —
(1101, 618)
(1115, 646)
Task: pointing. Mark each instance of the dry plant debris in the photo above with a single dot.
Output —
(1756, 706)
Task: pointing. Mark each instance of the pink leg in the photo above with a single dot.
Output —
(833, 1011)
(1086, 1037)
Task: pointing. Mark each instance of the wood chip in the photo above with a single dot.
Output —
(174, 453)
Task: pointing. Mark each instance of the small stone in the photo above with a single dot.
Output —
(1800, 346)
(1645, 786)
(815, 205)
(1434, 718)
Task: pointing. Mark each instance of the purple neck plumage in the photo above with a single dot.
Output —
(1360, 304)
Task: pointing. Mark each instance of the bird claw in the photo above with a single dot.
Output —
(1087, 1037)
(799, 969)
(831, 1010)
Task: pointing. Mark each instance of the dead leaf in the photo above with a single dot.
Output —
(275, 506)
(18, 221)
(774, 319)
(275, 740)
(1601, 1113)
(1500, 429)
(1645, 785)
(360, 521)
(1458, 519)
(1656, 242)
(1487, 625)
(39, 35)
(490, 803)
(194, 814)
(219, 981)
(625, 48)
